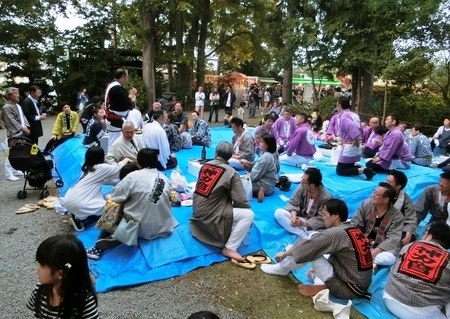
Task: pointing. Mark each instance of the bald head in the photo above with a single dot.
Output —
(374, 122)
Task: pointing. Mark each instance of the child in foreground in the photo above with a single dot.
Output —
(65, 288)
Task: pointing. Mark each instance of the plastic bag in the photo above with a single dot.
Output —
(247, 182)
(179, 182)
(59, 206)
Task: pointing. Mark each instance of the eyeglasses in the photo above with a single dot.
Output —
(304, 181)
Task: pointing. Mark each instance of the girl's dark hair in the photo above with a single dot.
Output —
(94, 155)
(66, 253)
(271, 143)
(127, 169)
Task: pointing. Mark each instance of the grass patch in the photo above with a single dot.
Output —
(254, 294)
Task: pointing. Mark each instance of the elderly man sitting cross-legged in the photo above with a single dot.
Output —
(125, 146)
(347, 272)
(221, 213)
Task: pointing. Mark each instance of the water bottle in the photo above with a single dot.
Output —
(4, 147)
(178, 169)
(247, 238)
(203, 157)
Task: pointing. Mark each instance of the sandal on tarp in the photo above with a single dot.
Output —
(244, 264)
(25, 209)
(259, 259)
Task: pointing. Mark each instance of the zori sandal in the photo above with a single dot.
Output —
(24, 210)
(32, 206)
(244, 264)
(259, 259)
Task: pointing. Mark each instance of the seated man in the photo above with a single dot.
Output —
(419, 282)
(394, 153)
(404, 204)
(284, 127)
(300, 149)
(173, 133)
(381, 223)
(146, 194)
(442, 136)
(372, 141)
(243, 144)
(65, 127)
(420, 147)
(435, 199)
(186, 138)
(267, 126)
(155, 138)
(218, 220)
(148, 118)
(201, 133)
(180, 116)
(347, 272)
(125, 146)
(303, 213)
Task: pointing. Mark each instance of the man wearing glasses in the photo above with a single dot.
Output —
(381, 223)
(303, 215)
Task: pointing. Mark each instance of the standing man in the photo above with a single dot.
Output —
(201, 134)
(155, 138)
(214, 99)
(221, 214)
(350, 133)
(200, 101)
(118, 104)
(394, 153)
(420, 147)
(284, 128)
(30, 108)
(16, 124)
(381, 223)
(228, 100)
(300, 149)
(252, 100)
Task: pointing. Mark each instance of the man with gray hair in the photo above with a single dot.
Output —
(126, 146)
(218, 220)
(16, 124)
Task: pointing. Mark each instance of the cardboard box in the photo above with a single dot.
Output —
(194, 167)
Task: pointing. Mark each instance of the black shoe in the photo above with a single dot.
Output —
(107, 243)
(94, 253)
(76, 223)
(369, 173)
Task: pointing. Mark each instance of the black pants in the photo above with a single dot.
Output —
(369, 153)
(52, 144)
(346, 169)
(172, 162)
(376, 168)
(214, 109)
(196, 141)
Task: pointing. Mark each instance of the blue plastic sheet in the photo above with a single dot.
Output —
(180, 253)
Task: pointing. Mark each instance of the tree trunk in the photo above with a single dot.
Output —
(355, 89)
(149, 51)
(201, 51)
(366, 92)
(311, 69)
(287, 83)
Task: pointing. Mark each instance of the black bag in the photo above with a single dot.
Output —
(326, 146)
(283, 183)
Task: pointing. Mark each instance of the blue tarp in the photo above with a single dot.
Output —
(180, 253)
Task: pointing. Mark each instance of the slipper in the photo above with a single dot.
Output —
(47, 200)
(50, 206)
(259, 259)
(244, 264)
(187, 202)
(32, 206)
(24, 210)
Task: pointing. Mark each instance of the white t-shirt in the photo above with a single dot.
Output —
(199, 99)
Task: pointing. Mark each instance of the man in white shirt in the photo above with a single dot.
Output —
(155, 138)
(200, 101)
(228, 100)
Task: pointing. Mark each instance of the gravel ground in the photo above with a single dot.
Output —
(21, 235)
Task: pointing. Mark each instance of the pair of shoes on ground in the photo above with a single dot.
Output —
(48, 202)
(251, 261)
(28, 208)
(101, 245)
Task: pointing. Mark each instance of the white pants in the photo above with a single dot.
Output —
(112, 137)
(385, 258)
(403, 311)
(236, 164)
(242, 221)
(10, 171)
(322, 268)
(294, 160)
(283, 217)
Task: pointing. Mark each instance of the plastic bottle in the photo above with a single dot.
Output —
(178, 169)
(203, 157)
(4, 147)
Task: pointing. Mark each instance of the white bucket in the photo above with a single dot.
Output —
(334, 156)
